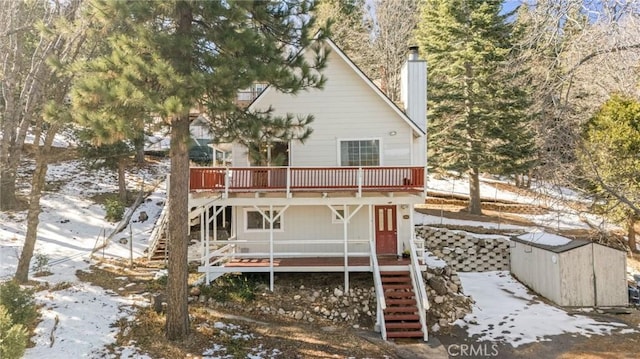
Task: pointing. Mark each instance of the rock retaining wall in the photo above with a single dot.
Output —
(446, 297)
(464, 252)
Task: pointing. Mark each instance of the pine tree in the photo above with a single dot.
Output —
(167, 57)
(477, 119)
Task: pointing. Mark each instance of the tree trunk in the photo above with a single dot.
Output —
(475, 205)
(122, 184)
(139, 147)
(177, 324)
(631, 233)
(7, 189)
(33, 220)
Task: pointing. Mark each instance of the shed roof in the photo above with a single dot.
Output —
(573, 244)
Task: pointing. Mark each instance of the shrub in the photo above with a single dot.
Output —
(41, 263)
(19, 303)
(13, 337)
(239, 288)
(115, 210)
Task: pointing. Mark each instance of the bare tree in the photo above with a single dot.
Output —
(579, 53)
(394, 26)
(24, 53)
(350, 28)
(64, 36)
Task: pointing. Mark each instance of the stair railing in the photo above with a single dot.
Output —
(381, 302)
(420, 290)
(158, 230)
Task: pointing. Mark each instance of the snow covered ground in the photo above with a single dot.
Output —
(72, 225)
(505, 312)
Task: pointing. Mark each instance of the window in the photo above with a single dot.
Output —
(360, 153)
(335, 218)
(255, 221)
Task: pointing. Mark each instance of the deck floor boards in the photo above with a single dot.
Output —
(316, 262)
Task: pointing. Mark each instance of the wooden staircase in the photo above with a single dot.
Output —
(401, 317)
(160, 252)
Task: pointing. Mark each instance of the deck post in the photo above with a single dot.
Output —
(203, 247)
(271, 276)
(359, 182)
(288, 182)
(226, 183)
(372, 242)
(345, 226)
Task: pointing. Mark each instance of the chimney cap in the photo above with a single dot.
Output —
(413, 53)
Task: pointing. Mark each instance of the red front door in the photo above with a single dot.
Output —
(386, 230)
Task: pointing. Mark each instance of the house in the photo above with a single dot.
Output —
(574, 273)
(341, 202)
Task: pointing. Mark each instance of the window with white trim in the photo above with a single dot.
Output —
(338, 219)
(360, 153)
(255, 221)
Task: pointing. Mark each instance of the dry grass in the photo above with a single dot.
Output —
(293, 339)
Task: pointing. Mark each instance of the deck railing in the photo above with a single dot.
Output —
(247, 179)
(417, 251)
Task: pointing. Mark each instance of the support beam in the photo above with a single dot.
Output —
(271, 219)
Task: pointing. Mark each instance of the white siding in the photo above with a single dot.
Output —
(300, 223)
(611, 283)
(537, 269)
(346, 108)
(576, 277)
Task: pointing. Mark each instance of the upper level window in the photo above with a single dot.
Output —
(360, 153)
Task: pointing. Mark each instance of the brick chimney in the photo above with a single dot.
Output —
(413, 88)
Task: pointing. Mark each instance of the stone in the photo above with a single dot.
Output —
(316, 309)
(439, 285)
(356, 326)
(298, 315)
(194, 291)
(281, 311)
(453, 287)
(123, 240)
(343, 315)
(296, 297)
(439, 299)
(338, 293)
(143, 216)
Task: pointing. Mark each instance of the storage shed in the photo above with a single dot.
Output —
(573, 273)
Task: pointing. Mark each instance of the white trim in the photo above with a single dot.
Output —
(334, 216)
(380, 151)
(265, 222)
(364, 77)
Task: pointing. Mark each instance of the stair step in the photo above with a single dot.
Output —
(398, 294)
(395, 273)
(405, 334)
(407, 309)
(395, 280)
(392, 302)
(386, 287)
(400, 317)
(405, 325)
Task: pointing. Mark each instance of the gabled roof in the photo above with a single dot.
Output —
(366, 79)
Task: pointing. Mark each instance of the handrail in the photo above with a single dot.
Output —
(157, 231)
(382, 303)
(418, 283)
(225, 179)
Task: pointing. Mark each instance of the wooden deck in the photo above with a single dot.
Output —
(316, 262)
(288, 179)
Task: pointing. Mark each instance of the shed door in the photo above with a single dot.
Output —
(386, 230)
